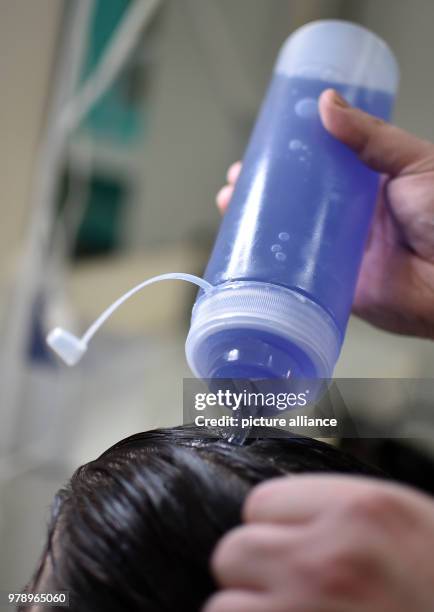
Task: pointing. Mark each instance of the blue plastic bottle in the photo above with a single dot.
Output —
(286, 259)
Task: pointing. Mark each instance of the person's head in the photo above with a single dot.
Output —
(134, 529)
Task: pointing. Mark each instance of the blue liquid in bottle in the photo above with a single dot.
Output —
(303, 204)
(292, 238)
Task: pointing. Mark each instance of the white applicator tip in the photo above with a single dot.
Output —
(67, 346)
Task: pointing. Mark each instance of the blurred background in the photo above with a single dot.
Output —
(118, 121)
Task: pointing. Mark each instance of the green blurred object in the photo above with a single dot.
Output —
(117, 116)
(99, 232)
(115, 126)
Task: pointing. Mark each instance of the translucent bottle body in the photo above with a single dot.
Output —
(289, 249)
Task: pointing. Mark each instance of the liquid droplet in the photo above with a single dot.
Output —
(280, 256)
(284, 236)
(307, 108)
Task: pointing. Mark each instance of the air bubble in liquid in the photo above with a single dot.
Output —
(280, 256)
(284, 236)
(295, 145)
(307, 108)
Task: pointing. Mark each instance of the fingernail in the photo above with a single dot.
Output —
(338, 100)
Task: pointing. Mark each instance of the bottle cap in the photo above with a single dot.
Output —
(299, 334)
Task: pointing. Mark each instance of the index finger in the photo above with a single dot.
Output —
(300, 498)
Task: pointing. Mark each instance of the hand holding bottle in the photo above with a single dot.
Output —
(395, 289)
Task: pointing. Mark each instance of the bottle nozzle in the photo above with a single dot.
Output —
(68, 347)
(71, 348)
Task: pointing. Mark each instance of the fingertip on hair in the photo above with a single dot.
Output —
(258, 497)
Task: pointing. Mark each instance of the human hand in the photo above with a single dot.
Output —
(395, 289)
(316, 543)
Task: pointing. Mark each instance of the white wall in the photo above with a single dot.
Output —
(407, 25)
(28, 32)
(214, 64)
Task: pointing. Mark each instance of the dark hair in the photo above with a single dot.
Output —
(134, 529)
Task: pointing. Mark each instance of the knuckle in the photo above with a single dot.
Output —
(347, 571)
(368, 144)
(340, 572)
(337, 581)
(378, 506)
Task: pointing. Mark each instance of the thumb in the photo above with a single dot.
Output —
(380, 145)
